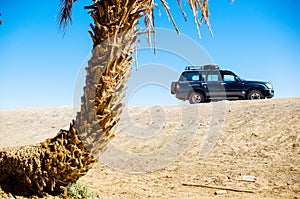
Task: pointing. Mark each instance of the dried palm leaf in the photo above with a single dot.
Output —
(179, 2)
(65, 13)
(195, 5)
(167, 8)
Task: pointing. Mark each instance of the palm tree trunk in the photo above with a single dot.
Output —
(60, 161)
(108, 70)
(45, 167)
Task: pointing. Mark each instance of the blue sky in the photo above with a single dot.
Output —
(257, 39)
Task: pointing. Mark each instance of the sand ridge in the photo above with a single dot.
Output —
(257, 138)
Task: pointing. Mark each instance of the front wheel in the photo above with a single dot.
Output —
(255, 95)
(196, 98)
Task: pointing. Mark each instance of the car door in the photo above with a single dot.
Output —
(215, 84)
(231, 83)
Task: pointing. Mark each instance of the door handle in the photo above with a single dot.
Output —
(223, 83)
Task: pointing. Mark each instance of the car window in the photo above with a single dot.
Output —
(195, 77)
(191, 76)
(228, 78)
(213, 76)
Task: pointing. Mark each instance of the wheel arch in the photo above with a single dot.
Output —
(253, 88)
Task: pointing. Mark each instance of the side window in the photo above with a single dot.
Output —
(191, 76)
(196, 77)
(228, 78)
(213, 76)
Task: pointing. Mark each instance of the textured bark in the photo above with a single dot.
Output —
(45, 167)
(60, 161)
(108, 70)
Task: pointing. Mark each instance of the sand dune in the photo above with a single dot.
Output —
(249, 146)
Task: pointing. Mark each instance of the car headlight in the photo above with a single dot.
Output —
(270, 86)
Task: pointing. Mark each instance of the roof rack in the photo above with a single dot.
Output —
(205, 67)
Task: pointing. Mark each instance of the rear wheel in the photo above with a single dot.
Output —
(196, 98)
(255, 95)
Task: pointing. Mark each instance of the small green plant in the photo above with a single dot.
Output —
(78, 190)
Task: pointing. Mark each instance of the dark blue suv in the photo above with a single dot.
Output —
(203, 83)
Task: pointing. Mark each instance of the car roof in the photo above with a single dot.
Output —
(226, 71)
(202, 68)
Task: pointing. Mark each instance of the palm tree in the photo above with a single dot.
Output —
(60, 161)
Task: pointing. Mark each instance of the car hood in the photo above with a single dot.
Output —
(255, 82)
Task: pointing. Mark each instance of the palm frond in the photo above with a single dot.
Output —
(203, 5)
(196, 6)
(167, 8)
(65, 13)
(179, 2)
(149, 19)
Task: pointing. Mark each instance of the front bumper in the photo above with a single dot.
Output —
(269, 93)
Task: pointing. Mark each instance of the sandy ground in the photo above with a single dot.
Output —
(252, 147)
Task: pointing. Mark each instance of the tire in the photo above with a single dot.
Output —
(196, 98)
(255, 95)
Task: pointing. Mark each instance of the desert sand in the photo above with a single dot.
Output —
(249, 148)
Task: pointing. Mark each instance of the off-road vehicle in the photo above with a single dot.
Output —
(205, 83)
